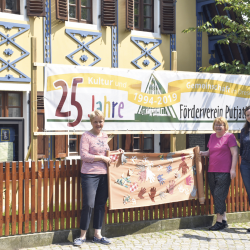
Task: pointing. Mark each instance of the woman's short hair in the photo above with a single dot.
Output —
(221, 120)
(95, 113)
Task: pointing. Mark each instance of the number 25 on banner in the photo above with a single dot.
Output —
(59, 112)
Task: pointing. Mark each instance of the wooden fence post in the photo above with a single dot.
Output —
(33, 102)
(174, 68)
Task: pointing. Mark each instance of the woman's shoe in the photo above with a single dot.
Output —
(217, 226)
(79, 241)
(103, 240)
(248, 230)
(224, 222)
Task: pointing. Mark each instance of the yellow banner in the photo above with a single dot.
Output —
(133, 87)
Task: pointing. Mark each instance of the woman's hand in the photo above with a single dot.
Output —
(232, 173)
(120, 150)
(204, 153)
(106, 159)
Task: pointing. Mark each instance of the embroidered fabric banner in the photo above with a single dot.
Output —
(142, 99)
(153, 179)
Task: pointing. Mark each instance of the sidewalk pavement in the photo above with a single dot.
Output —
(234, 237)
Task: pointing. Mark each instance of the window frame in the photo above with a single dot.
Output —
(3, 7)
(78, 13)
(141, 139)
(4, 104)
(141, 16)
(77, 139)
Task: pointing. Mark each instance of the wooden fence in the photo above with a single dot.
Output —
(50, 199)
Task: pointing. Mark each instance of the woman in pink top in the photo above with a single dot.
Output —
(222, 152)
(93, 146)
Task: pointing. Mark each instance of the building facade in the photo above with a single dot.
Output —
(132, 34)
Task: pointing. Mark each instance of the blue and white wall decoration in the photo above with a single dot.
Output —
(83, 46)
(11, 41)
(146, 52)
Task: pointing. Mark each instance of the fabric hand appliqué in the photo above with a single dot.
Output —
(189, 180)
(159, 167)
(123, 181)
(161, 179)
(150, 176)
(194, 169)
(169, 169)
(171, 187)
(152, 194)
(142, 176)
(184, 167)
(133, 187)
(193, 191)
(141, 193)
(162, 195)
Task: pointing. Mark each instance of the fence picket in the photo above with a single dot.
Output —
(73, 193)
(39, 197)
(184, 208)
(62, 194)
(7, 199)
(51, 178)
(57, 195)
(1, 198)
(33, 197)
(166, 211)
(14, 191)
(20, 197)
(67, 194)
(45, 196)
(136, 213)
(237, 189)
(79, 192)
(26, 200)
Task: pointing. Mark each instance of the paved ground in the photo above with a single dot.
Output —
(234, 237)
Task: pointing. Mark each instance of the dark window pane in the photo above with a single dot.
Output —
(147, 24)
(72, 136)
(14, 99)
(72, 11)
(11, 5)
(14, 112)
(86, 14)
(147, 10)
(136, 143)
(148, 144)
(136, 9)
(72, 146)
(136, 22)
(1, 99)
(72, 1)
(148, 1)
(0, 112)
(86, 3)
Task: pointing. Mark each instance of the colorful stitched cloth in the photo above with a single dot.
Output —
(220, 158)
(91, 145)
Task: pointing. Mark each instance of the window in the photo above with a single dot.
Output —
(143, 143)
(10, 6)
(73, 145)
(11, 104)
(144, 15)
(80, 11)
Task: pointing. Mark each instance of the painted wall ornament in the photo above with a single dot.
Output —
(146, 51)
(82, 45)
(11, 40)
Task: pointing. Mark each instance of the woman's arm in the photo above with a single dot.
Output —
(204, 153)
(86, 156)
(234, 153)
